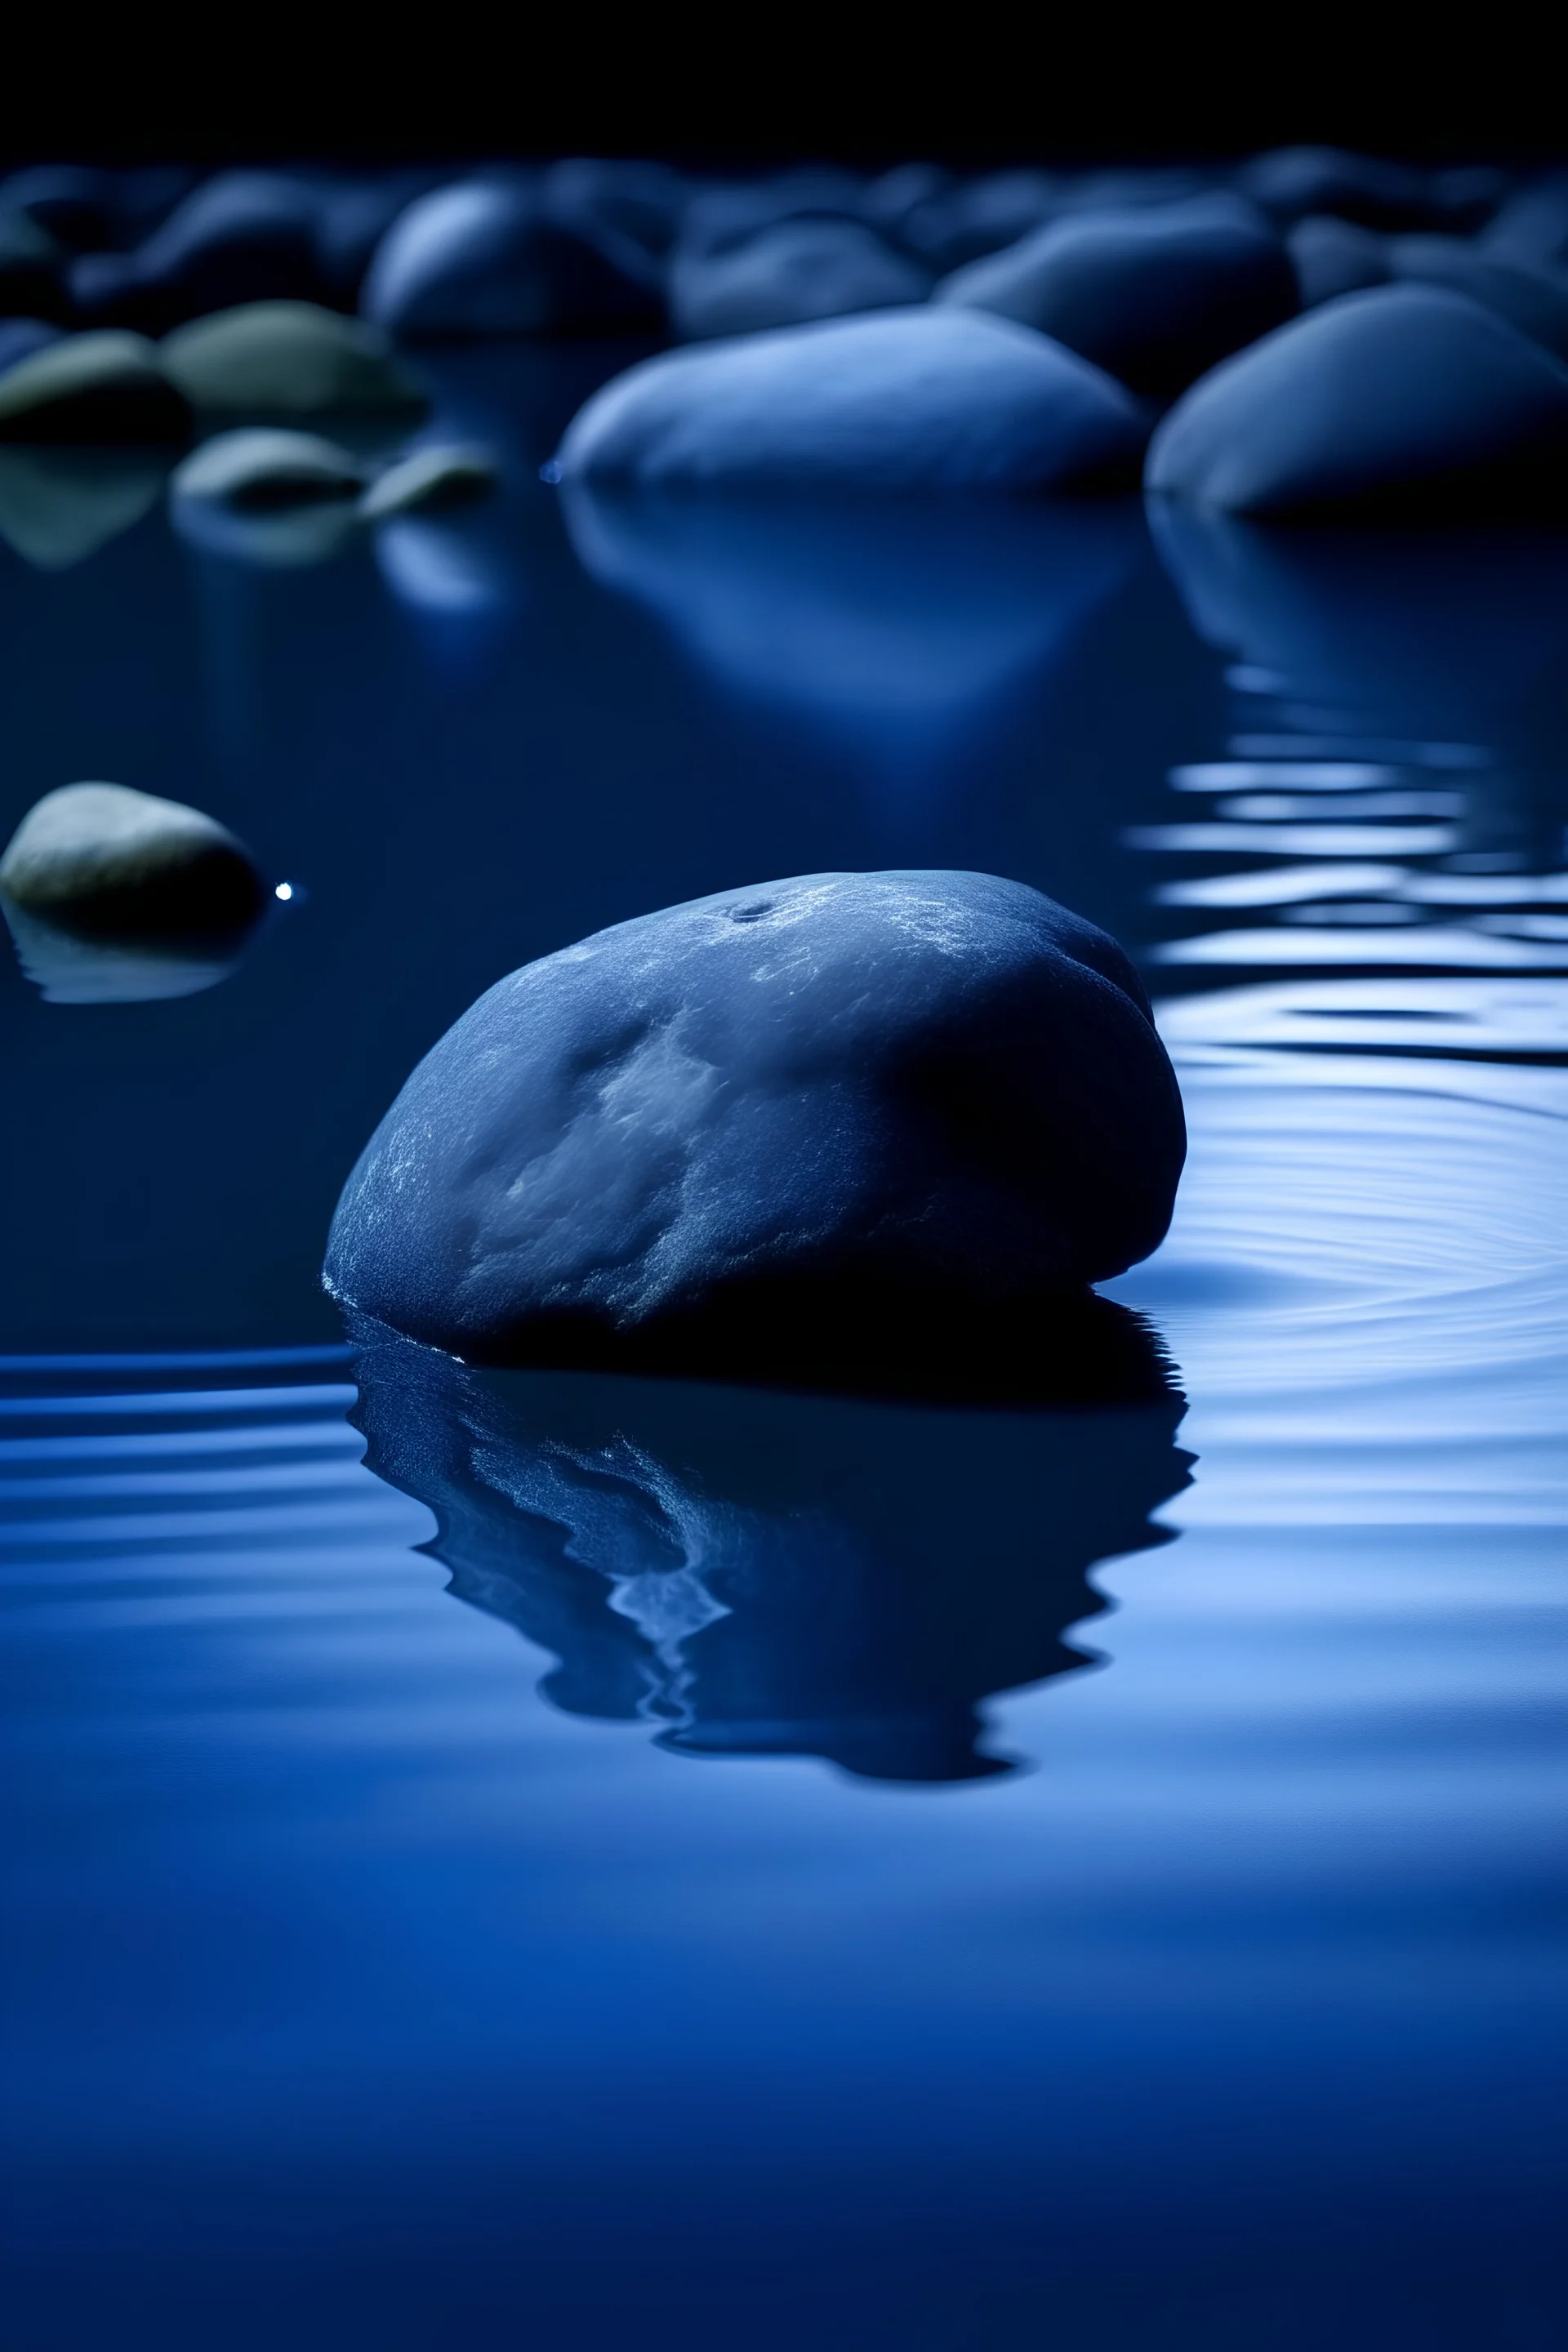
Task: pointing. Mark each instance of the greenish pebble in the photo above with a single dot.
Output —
(288, 359)
(105, 386)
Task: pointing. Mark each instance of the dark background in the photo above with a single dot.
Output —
(974, 85)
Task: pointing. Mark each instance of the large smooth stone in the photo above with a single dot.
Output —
(747, 1573)
(288, 359)
(1154, 297)
(1534, 299)
(103, 386)
(928, 399)
(795, 271)
(1404, 400)
(813, 1117)
(242, 237)
(493, 258)
(107, 862)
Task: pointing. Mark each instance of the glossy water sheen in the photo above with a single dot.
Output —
(841, 1873)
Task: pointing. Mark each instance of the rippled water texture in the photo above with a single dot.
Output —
(534, 1857)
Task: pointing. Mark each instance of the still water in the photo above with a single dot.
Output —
(556, 1859)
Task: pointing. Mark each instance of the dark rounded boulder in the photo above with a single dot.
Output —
(507, 256)
(1531, 297)
(916, 399)
(814, 1118)
(1292, 182)
(1404, 401)
(1154, 296)
(1332, 257)
(791, 270)
(242, 237)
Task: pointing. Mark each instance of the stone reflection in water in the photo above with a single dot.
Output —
(890, 625)
(1450, 639)
(768, 1573)
(72, 968)
(59, 506)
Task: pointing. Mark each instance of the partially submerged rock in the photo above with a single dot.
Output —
(1404, 400)
(269, 497)
(845, 1116)
(261, 468)
(105, 862)
(923, 399)
(430, 479)
(1153, 296)
(289, 360)
(106, 385)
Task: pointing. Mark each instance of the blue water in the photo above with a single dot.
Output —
(639, 1863)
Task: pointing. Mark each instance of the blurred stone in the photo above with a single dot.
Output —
(106, 385)
(242, 237)
(489, 257)
(1404, 400)
(1154, 297)
(288, 359)
(1534, 299)
(1292, 182)
(1334, 257)
(937, 399)
(20, 338)
(430, 478)
(796, 269)
(268, 497)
